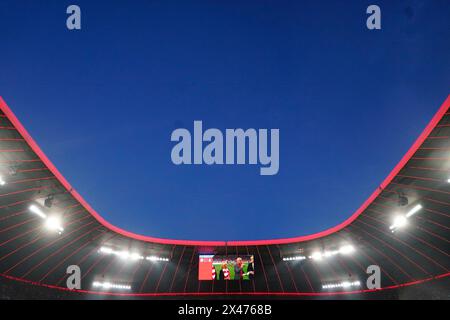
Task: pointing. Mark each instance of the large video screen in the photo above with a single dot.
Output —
(218, 267)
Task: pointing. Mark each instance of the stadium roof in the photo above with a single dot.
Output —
(403, 227)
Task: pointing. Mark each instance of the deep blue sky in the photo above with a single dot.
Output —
(102, 103)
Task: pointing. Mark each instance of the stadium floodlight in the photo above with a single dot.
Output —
(399, 222)
(53, 223)
(35, 209)
(327, 254)
(316, 255)
(135, 256)
(448, 180)
(2, 182)
(414, 210)
(106, 250)
(347, 249)
(110, 285)
(123, 254)
(294, 258)
(155, 258)
(344, 285)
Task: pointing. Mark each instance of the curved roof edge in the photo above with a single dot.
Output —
(35, 147)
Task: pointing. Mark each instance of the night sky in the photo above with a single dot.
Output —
(102, 103)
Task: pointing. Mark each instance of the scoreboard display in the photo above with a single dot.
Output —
(218, 267)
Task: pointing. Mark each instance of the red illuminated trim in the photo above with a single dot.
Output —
(207, 294)
(34, 146)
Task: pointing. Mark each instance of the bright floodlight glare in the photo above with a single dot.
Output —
(109, 285)
(135, 256)
(35, 209)
(152, 258)
(54, 223)
(399, 222)
(327, 254)
(2, 182)
(448, 180)
(344, 284)
(155, 258)
(347, 249)
(106, 250)
(413, 210)
(126, 255)
(123, 254)
(295, 258)
(316, 256)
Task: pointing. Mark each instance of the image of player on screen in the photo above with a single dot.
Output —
(224, 273)
(251, 269)
(238, 269)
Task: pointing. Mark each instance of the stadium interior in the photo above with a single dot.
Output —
(46, 226)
